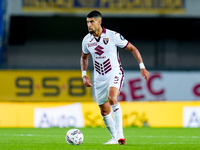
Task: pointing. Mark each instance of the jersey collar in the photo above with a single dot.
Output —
(103, 34)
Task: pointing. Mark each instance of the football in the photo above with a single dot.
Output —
(74, 137)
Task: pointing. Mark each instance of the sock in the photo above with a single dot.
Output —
(110, 125)
(117, 116)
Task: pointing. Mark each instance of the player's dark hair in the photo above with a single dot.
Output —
(94, 14)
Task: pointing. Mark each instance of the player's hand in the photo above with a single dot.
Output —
(145, 74)
(86, 81)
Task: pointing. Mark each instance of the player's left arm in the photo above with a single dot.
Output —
(138, 57)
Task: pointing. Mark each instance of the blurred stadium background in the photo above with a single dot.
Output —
(40, 49)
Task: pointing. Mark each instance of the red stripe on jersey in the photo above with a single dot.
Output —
(106, 61)
(121, 82)
(126, 45)
(97, 63)
(106, 64)
(97, 66)
(108, 70)
(104, 30)
(108, 67)
(120, 66)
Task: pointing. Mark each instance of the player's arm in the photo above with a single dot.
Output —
(84, 66)
(136, 53)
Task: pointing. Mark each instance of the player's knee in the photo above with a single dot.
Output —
(104, 113)
(112, 100)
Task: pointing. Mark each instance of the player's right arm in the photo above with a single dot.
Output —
(84, 66)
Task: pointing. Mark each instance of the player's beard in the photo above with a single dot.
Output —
(91, 31)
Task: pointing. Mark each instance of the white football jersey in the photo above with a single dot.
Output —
(104, 52)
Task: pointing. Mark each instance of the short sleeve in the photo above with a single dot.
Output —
(84, 48)
(120, 41)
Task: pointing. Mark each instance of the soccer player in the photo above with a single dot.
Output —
(102, 44)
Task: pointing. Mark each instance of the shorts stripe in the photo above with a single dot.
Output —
(121, 82)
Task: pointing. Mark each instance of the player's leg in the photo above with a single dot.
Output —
(101, 95)
(109, 122)
(117, 113)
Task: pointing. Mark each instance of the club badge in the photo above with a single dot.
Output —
(105, 40)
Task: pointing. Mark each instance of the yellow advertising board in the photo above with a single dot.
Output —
(153, 114)
(43, 85)
(105, 6)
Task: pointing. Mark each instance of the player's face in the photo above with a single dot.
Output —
(93, 24)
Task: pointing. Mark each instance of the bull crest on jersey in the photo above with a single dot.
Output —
(99, 50)
(105, 40)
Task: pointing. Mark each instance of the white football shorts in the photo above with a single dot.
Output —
(101, 87)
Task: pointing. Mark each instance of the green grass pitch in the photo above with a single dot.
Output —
(145, 138)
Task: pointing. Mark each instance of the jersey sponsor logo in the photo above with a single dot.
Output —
(101, 57)
(92, 44)
(105, 40)
(99, 50)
